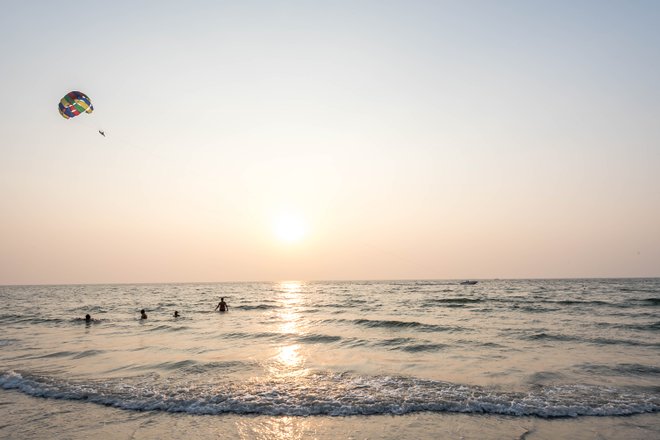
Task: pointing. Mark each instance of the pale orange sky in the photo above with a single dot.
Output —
(398, 139)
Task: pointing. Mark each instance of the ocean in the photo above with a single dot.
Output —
(329, 359)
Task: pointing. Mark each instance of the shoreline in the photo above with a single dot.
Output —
(35, 417)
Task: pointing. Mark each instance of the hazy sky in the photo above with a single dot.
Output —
(392, 139)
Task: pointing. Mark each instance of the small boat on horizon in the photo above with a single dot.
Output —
(468, 283)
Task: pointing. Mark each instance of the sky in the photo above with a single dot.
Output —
(345, 140)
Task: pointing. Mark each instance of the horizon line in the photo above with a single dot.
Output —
(333, 281)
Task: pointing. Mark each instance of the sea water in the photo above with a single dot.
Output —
(542, 348)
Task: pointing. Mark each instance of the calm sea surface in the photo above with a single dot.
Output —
(548, 348)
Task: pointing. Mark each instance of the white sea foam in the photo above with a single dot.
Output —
(335, 395)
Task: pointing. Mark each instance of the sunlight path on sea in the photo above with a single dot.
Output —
(289, 361)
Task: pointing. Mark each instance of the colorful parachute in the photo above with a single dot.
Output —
(75, 103)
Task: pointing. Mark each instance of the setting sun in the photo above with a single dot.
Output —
(290, 227)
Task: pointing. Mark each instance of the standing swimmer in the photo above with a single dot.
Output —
(222, 305)
(143, 314)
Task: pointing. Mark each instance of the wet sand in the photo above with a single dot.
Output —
(37, 418)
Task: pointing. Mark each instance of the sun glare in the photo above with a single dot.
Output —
(290, 228)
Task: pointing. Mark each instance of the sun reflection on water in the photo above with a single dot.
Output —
(275, 428)
(288, 360)
(289, 357)
(290, 299)
(291, 286)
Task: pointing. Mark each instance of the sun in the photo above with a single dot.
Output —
(290, 227)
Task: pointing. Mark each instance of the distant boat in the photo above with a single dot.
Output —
(468, 283)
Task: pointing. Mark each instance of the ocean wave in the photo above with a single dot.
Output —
(257, 307)
(410, 345)
(336, 395)
(537, 309)
(652, 326)
(621, 369)
(185, 367)
(284, 337)
(551, 337)
(480, 344)
(88, 353)
(31, 319)
(459, 300)
(224, 366)
(638, 289)
(187, 364)
(178, 328)
(160, 328)
(258, 335)
(432, 283)
(318, 338)
(570, 302)
(174, 326)
(395, 324)
(395, 342)
(57, 354)
(598, 341)
(630, 342)
(354, 342)
(420, 347)
(9, 317)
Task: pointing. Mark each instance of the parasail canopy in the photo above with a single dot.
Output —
(74, 104)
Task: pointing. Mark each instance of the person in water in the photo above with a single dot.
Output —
(176, 314)
(222, 306)
(88, 318)
(143, 314)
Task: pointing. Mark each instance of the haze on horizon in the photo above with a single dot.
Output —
(272, 140)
